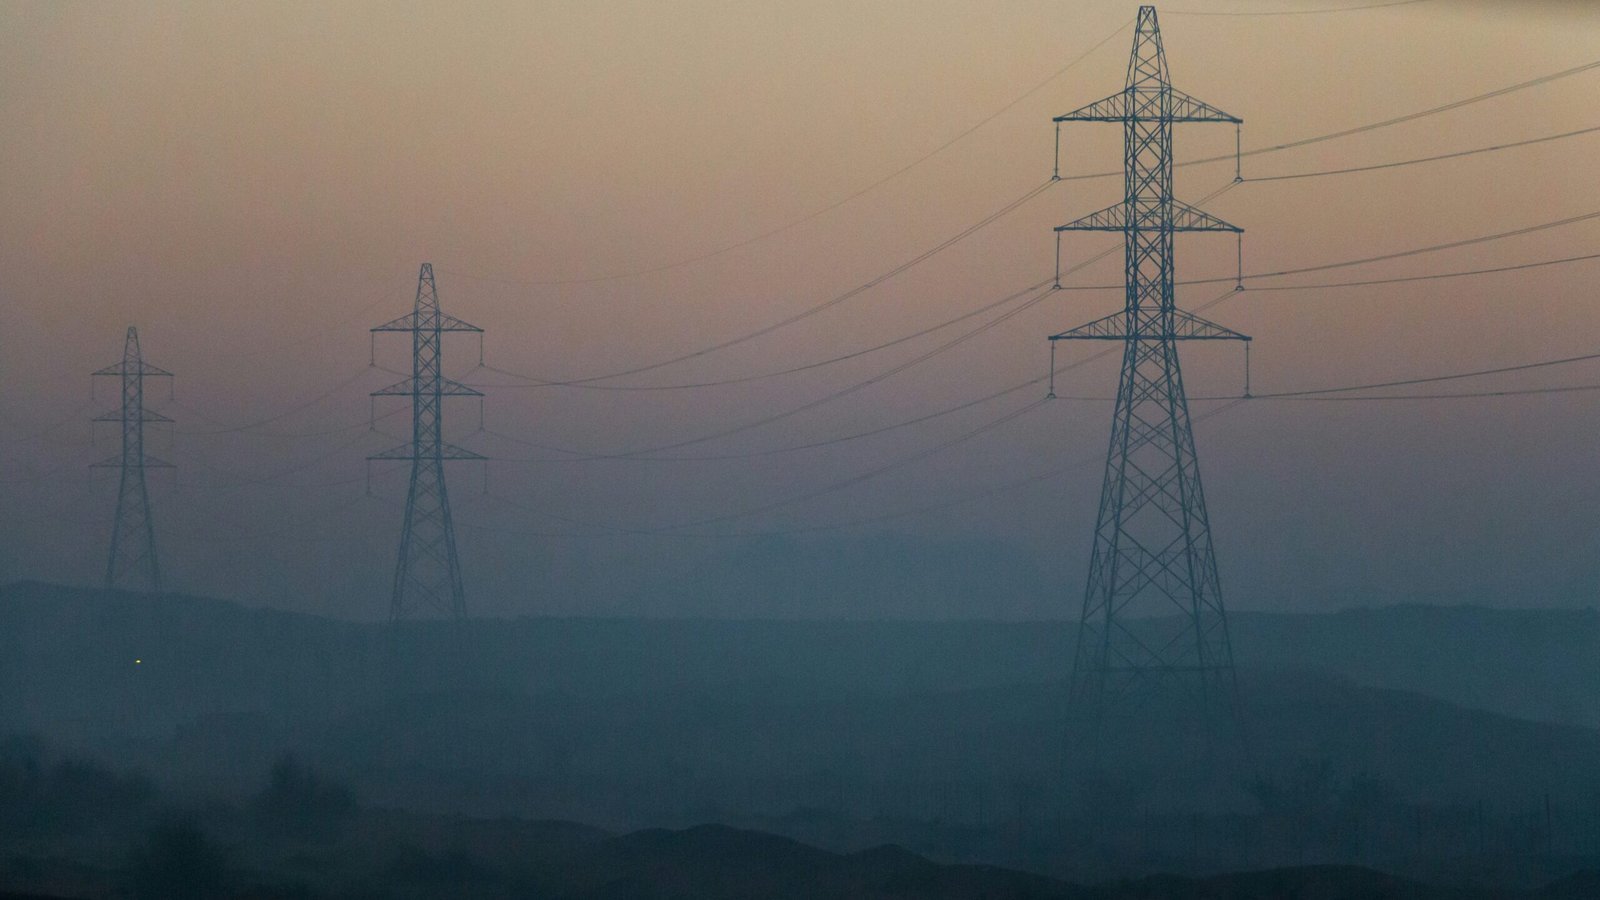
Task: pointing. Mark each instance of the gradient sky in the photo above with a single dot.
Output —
(254, 185)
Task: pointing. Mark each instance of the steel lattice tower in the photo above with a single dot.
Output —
(132, 560)
(427, 574)
(1152, 558)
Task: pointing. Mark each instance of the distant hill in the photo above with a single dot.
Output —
(1536, 664)
(219, 855)
(74, 647)
(1364, 743)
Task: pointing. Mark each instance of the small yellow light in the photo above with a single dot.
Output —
(138, 662)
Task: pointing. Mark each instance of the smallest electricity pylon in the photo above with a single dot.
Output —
(427, 573)
(132, 561)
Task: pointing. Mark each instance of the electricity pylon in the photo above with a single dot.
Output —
(1152, 610)
(427, 574)
(132, 560)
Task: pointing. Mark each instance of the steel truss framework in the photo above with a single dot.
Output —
(132, 561)
(427, 573)
(1152, 609)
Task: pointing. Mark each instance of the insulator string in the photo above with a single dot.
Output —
(1238, 155)
(1056, 174)
(1051, 395)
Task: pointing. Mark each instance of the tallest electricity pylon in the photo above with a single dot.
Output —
(427, 575)
(1152, 610)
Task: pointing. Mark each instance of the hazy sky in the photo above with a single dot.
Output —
(254, 185)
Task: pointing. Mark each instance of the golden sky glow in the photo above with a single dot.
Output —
(253, 185)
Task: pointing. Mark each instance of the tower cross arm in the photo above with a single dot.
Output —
(1188, 218)
(408, 322)
(123, 368)
(1183, 218)
(1185, 327)
(117, 462)
(1112, 109)
(145, 415)
(1191, 109)
(1120, 108)
(409, 451)
(1112, 218)
(409, 388)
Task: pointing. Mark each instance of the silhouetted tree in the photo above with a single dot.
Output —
(1364, 802)
(65, 796)
(1301, 805)
(297, 801)
(179, 863)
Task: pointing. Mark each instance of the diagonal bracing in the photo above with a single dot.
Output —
(132, 561)
(427, 574)
(1152, 610)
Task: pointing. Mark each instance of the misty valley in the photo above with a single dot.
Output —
(165, 743)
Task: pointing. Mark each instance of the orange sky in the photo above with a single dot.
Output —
(253, 185)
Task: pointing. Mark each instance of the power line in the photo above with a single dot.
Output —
(873, 432)
(603, 529)
(75, 418)
(1432, 379)
(1296, 12)
(917, 420)
(589, 381)
(742, 379)
(818, 308)
(827, 442)
(881, 469)
(1437, 275)
(864, 476)
(1515, 392)
(1232, 403)
(1451, 245)
(251, 426)
(968, 498)
(824, 210)
(1427, 159)
(295, 528)
(535, 382)
(42, 476)
(616, 531)
(581, 456)
(648, 453)
(1417, 251)
(241, 481)
(1312, 393)
(1372, 126)
(881, 346)
(1028, 196)
(853, 388)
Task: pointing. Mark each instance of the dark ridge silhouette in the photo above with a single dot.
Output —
(940, 738)
(218, 851)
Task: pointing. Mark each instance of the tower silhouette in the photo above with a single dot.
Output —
(1152, 610)
(427, 574)
(132, 560)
